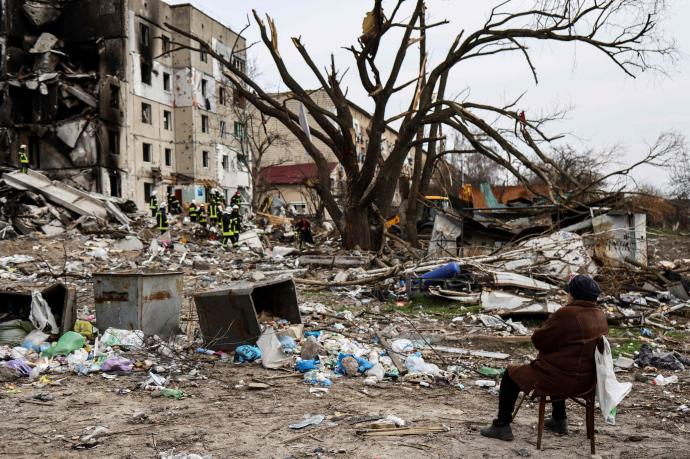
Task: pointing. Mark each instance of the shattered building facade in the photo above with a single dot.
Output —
(113, 104)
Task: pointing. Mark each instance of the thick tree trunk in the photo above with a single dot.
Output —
(358, 229)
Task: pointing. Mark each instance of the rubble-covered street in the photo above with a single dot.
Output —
(422, 374)
(382, 229)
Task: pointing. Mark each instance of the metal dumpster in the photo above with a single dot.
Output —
(61, 299)
(139, 301)
(228, 318)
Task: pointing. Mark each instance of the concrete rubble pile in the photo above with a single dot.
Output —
(31, 202)
(158, 310)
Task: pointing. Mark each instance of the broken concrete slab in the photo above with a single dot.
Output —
(129, 244)
(507, 279)
(59, 193)
(45, 43)
(41, 13)
(116, 213)
(251, 239)
(79, 92)
(53, 228)
(500, 301)
(70, 131)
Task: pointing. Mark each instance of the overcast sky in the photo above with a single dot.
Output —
(607, 107)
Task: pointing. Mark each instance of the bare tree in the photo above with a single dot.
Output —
(623, 30)
(680, 175)
(256, 138)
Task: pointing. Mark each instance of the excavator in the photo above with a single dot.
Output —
(425, 217)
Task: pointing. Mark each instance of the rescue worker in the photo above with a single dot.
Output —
(176, 208)
(193, 212)
(203, 215)
(235, 226)
(213, 212)
(153, 203)
(162, 218)
(236, 199)
(23, 160)
(303, 227)
(226, 228)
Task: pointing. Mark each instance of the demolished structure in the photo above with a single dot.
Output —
(105, 105)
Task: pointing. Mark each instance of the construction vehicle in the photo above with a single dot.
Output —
(425, 216)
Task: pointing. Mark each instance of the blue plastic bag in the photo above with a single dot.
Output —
(247, 353)
(304, 366)
(315, 334)
(364, 364)
(287, 343)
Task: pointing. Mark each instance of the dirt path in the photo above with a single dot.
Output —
(223, 421)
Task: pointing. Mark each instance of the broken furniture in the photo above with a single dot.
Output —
(61, 299)
(149, 302)
(229, 318)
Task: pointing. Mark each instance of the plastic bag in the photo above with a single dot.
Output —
(247, 353)
(85, 328)
(304, 366)
(272, 355)
(34, 340)
(610, 393)
(14, 331)
(68, 343)
(117, 337)
(401, 346)
(416, 364)
(41, 315)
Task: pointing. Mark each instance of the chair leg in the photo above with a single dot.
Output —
(588, 420)
(540, 424)
(591, 426)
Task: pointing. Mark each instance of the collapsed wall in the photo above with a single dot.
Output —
(60, 95)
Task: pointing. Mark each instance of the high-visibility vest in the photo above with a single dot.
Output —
(162, 220)
(153, 202)
(202, 215)
(193, 212)
(23, 159)
(213, 210)
(234, 224)
(236, 200)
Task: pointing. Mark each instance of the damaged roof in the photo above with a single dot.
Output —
(292, 174)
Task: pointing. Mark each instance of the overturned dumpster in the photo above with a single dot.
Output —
(61, 300)
(139, 301)
(230, 318)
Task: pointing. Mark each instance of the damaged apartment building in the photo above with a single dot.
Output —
(107, 99)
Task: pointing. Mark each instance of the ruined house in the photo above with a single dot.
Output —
(287, 168)
(94, 91)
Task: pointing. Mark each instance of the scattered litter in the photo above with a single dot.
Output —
(308, 420)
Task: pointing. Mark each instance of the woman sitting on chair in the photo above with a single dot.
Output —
(565, 363)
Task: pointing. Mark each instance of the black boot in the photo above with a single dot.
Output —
(504, 433)
(559, 426)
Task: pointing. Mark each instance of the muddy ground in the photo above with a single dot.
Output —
(220, 419)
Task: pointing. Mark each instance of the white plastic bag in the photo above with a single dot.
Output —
(610, 393)
(41, 315)
(272, 355)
